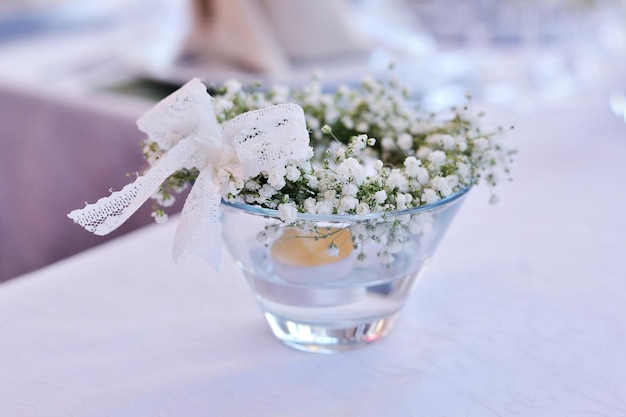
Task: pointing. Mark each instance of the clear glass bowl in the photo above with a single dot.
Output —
(331, 283)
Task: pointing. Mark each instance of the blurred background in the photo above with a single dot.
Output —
(76, 74)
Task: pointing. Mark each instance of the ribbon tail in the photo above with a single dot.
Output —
(108, 213)
(199, 231)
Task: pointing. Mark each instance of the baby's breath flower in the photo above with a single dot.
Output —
(362, 209)
(405, 141)
(164, 199)
(332, 249)
(276, 177)
(287, 213)
(349, 190)
(418, 159)
(388, 143)
(397, 181)
(347, 204)
(159, 216)
(362, 127)
(442, 185)
(430, 196)
(232, 86)
(292, 173)
(437, 158)
(380, 196)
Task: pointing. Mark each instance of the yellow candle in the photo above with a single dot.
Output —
(298, 248)
(302, 259)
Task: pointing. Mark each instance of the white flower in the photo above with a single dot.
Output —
(419, 127)
(387, 143)
(437, 158)
(222, 105)
(331, 114)
(232, 86)
(309, 205)
(235, 186)
(405, 142)
(359, 143)
(423, 152)
(164, 200)
(412, 164)
(362, 127)
(266, 192)
(446, 141)
(311, 180)
(362, 209)
(159, 216)
(430, 196)
(347, 122)
(324, 207)
(422, 175)
(349, 190)
(441, 184)
(330, 196)
(346, 204)
(280, 93)
(350, 169)
(287, 213)
(400, 201)
(399, 124)
(378, 165)
(397, 181)
(332, 250)
(380, 196)
(292, 173)
(276, 177)
(343, 90)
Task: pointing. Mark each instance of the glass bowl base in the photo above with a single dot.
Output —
(332, 337)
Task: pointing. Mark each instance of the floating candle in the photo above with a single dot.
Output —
(299, 248)
(299, 256)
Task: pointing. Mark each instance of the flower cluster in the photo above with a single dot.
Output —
(372, 150)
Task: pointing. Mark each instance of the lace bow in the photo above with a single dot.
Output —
(184, 125)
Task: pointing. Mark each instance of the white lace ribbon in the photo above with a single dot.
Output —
(184, 125)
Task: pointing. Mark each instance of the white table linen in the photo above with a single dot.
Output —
(522, 312)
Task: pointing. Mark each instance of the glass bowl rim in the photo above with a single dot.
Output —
(339, 218)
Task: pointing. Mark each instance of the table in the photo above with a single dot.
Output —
(521, 313)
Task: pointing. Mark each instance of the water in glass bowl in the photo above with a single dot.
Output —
(310, 309)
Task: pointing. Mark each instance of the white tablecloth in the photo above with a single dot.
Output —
(521, 313)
